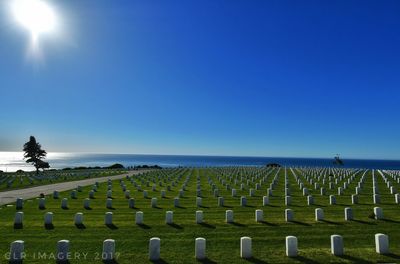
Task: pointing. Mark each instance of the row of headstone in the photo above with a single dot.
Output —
(109, 253)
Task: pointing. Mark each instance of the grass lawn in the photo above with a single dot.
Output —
(223, 240)
(13, 181)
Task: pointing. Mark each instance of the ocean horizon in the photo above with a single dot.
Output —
(13, 161)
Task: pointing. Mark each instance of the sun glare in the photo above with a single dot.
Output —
(35, 15)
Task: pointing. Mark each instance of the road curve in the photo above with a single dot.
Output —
(28, 193)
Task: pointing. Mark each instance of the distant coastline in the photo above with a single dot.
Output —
(12, 161)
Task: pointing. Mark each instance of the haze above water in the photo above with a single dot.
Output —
(12, 161)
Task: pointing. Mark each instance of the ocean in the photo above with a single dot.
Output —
(12, 161)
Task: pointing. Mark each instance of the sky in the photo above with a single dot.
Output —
(211, 77)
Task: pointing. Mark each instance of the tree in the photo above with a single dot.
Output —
(35, 154)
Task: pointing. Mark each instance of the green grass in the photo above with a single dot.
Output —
(12, 181)
(223, 240)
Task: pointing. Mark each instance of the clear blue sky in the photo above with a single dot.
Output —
(260, 78)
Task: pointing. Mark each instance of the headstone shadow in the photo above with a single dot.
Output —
(306, 260)
(144, 226)
(80, 226)
(207, 225)
(18, 226)
(355, 259)
(112, 226)
(206, 261)
(256, 260)
(49, 226)
(176, 226)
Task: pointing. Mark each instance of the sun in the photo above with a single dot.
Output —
(35, 15)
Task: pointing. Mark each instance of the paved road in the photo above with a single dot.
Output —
(28, 193)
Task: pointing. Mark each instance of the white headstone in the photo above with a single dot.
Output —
(48, 218)
(131, 203)
(55, 194)
(265, 200)
(42, 203)
(154, 248)
(220, 201)
(319, 214)
(229, 216)
(199, 217)
(64, 203)
(378, 213)
(78, 219)
(337, 245)
(332, 199)
(16, 251)
(245, 247)
(154, 202)
(310, 200)
(108, 249)
(109, 203)
(382, 243)
(139, 218)
(200, 248)
(289, 215)
(251, 192)
(108, 218)
(259, 215)
(291, 246)
(176, 202)
(288, 200)
(243, 201)
(18, 220)
(233, 192)
(62, 250)
(199, 201)
(348, 214)
(19, 203)
(354, 199)
(169, 217)
(377, 199)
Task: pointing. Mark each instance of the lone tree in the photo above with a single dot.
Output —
(34, 154)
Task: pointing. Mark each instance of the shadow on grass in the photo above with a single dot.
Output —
(88, 208)
(256, 260)
(111, 261)
(227, 206)
(206, 261)
(300, 223)
(63, 261)
(80, 226)
(267, 223)
(180, 207)
(207, 225)
(176, 226)
(144, 226)
(390, 221)
(237, 224)
(392, 255)
(363, 222)
(65, 208)
(271, 205)
(111, 208)
(49, 226)
(331, 222)
(15, 262)
(159, 261)
(42, 208)
(112, 226)
(354, 259)
(202, 206)
(18, 226)
(305, 260)
(156, 207)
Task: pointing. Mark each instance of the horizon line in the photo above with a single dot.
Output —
(206, 155)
